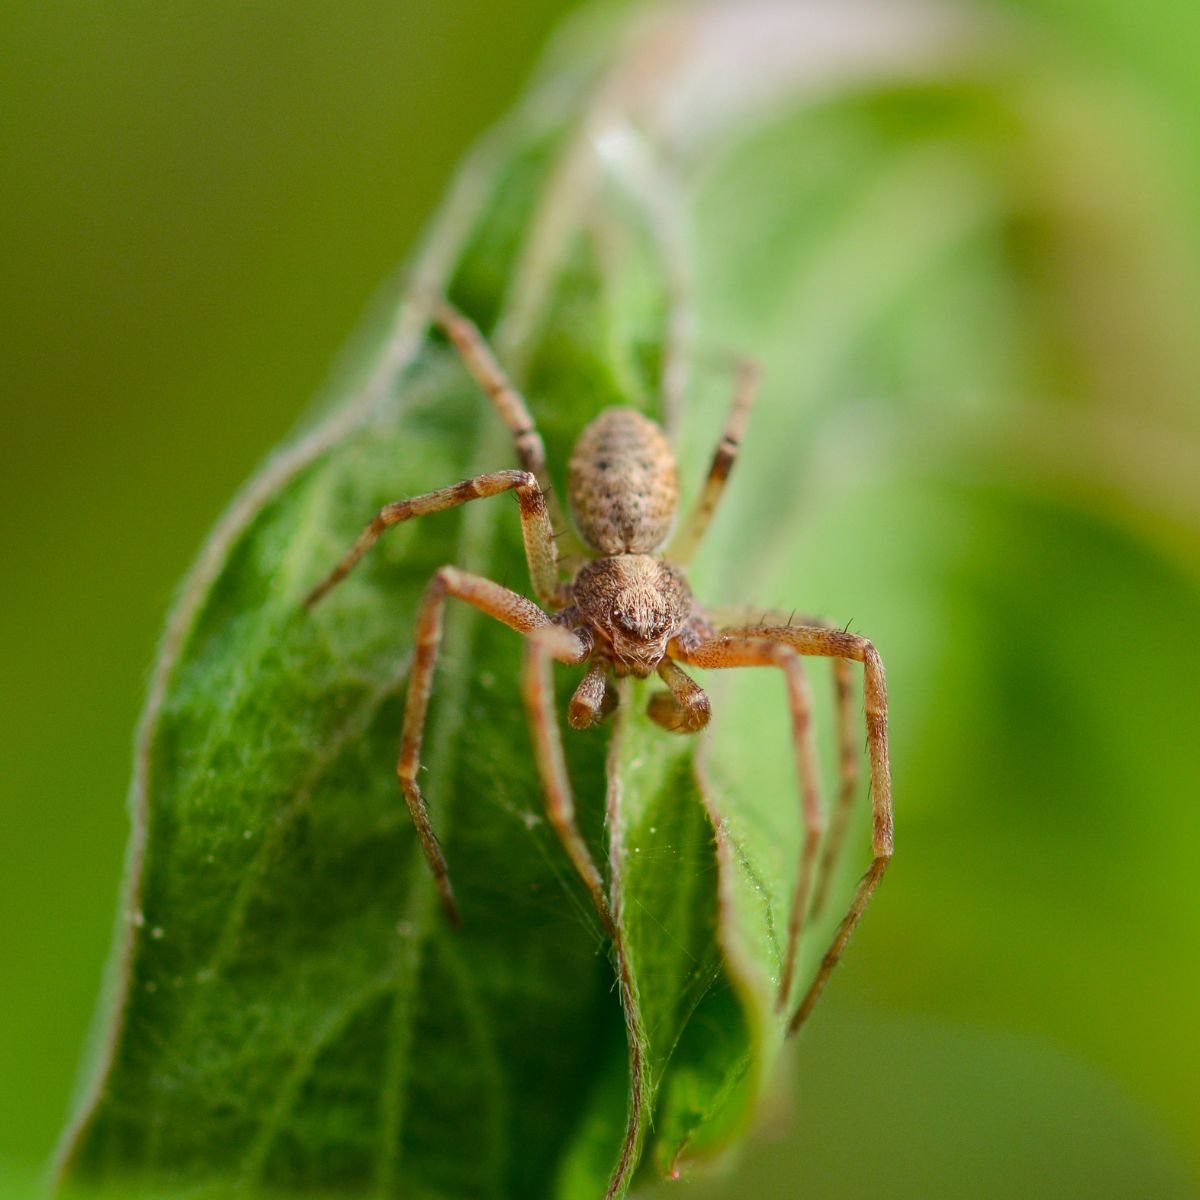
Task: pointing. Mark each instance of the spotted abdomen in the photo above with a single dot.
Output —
(621, 483)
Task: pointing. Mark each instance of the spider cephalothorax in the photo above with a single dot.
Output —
(632, 605)
(629, 611)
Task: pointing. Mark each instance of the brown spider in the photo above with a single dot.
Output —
(630, 612)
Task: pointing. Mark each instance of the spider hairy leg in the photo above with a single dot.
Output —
(537, 690)
(862, 897)
(504, 605)
(723, 651)
(848, 776)
(477, 357)
(692, 531)
(812, 812)
(540, 551)
(848, 768)
(730, 652)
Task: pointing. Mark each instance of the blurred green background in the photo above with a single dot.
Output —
(200, 200)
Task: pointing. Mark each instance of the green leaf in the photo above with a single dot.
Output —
(288, 1009)
(292, 1009)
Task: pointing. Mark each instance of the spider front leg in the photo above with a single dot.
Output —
(847, 741)
(727, 650)
(759, 653)
(537, 690)
(517, 613)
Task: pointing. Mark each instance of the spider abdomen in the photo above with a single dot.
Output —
(621, 483)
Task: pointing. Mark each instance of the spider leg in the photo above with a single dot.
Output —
(517, 613)
(761, 653)
(537, 690)
(684, 544)
(848, 774)
(847, 743)
(478, 358)
(535, 526)
(724, 650)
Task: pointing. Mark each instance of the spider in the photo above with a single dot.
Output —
(629, 611)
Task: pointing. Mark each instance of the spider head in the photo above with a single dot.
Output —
(635, 604)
